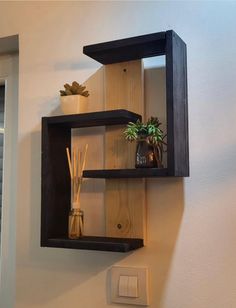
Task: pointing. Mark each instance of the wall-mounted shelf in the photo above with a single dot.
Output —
(56, 136)
(126, 173)
(97, 243)
(99, 118)
(128, 49)
(173, 47)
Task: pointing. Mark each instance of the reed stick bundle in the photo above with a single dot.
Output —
(76, 163)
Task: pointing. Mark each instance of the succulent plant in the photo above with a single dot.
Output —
(74, 89)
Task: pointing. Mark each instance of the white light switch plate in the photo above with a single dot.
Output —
(142, 285)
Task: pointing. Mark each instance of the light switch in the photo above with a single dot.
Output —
(129, 285)
(123, 285)
(133, 286)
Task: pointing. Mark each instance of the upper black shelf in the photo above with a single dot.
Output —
(166, 43)
(128, 49)
(99, 118)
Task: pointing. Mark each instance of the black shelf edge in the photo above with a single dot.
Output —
(177, 105)
(128, 49)
(99, 118)
(96, 243)
(126, 173)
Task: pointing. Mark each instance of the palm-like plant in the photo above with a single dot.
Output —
(149, 132)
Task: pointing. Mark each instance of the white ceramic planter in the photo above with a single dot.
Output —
(71, 104)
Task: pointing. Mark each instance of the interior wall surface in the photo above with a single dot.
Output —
(9, 77)
(191, 222)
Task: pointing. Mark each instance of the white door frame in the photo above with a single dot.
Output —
(9, 76)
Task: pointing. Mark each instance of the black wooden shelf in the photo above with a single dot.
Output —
(126, 173)
(99, 118)
(56, 136)
(128, 49)
(97, 243)
(166, 43)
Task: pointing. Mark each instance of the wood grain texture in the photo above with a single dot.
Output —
(123, 89)
(92, 191)
(125, 208)
(124, 198)
(94, 84)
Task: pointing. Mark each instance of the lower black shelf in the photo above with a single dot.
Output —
(97, 243)
(126, 173)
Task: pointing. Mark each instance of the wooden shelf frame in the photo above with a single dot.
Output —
(56, 136)
(173, 48)
(126, 173)
(98, 118)
(128, 49)
(97, 243)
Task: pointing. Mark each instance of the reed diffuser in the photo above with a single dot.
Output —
(76, 163)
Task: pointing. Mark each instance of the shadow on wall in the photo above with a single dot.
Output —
(165, 199)
(165, 196)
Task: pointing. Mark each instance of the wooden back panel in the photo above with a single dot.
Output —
(124, 198)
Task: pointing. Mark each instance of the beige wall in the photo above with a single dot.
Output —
(191, 222)
(9, 76)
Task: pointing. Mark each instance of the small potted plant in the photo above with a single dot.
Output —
(150, 142)
(71, 101)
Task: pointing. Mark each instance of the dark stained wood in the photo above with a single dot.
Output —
(55, 181)
(177, 110)
(128, 49)
(126, 173)
(99, 118)
(97, 243)
(163, 43)
(56, 136)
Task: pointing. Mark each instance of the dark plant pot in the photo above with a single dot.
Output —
(145, 157)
